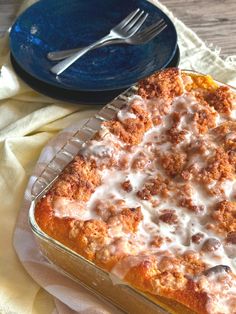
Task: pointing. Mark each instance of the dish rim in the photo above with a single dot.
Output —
(43, 187)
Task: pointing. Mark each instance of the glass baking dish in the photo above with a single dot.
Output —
(102, 283)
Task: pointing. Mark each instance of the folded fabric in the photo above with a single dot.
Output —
(28, 121)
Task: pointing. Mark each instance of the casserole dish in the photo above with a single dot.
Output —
(183, 267)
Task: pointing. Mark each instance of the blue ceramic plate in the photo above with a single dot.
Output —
(51, 25)
(76, 96)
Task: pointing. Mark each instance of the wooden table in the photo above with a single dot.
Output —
(214, 20)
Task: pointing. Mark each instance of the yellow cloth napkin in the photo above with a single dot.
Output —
(28, 121)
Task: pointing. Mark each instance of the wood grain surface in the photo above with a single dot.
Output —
(213, 20)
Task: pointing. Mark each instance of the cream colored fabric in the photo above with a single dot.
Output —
(64, 289)
(27, 122)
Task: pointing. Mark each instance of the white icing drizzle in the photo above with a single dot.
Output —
(124, 114)
(188, 223)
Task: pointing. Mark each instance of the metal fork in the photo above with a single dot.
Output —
(139, 38)
(125, 29)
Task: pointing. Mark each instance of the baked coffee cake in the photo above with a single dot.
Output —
(152, 197)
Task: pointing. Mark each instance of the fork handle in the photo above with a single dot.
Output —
(63, 65)
(62, 54)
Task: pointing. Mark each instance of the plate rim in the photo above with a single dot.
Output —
(61, 89)
(58, 85)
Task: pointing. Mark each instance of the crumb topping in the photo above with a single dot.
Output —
(152, 197)
(222, 99)
(225, 216)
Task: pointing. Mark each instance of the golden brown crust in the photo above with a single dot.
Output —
(157, 186)
(165, 84)
(78, 180)
(221, 99)
(204, 83)
(161, 277)
(173, 163)
(131, 131)
(219, 167)
(205, 119)
(225, 217)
